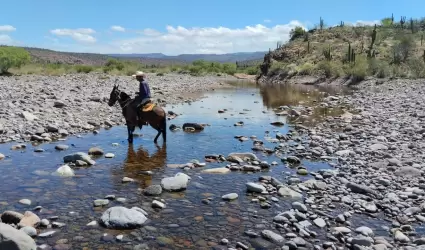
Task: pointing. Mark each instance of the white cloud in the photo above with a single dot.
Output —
(178, 40)
(83, 35)
(365, 23)
(117, 28)
(7, 28)
(6, 40)
(267, 21)
(150, 32)
(187, 40)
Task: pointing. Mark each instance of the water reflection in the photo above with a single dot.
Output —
(138, 161)
(309, 98)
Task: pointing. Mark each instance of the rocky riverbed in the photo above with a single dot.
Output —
(46, 107)
(379, 172)
(283, 195)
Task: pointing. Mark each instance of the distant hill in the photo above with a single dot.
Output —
(51, 56)
(230, 57)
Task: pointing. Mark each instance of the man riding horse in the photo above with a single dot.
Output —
(144, 96)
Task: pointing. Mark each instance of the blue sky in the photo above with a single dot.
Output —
(174, 27)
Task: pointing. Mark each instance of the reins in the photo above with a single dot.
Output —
(126, 103)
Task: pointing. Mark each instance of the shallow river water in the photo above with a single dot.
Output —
(186, 222)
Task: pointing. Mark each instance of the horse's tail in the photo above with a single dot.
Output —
(164, 127)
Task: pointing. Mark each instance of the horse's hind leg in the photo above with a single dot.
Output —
(164, 129)
(156, 137)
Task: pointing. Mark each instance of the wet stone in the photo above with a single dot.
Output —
(30, 231)
(153, 190)
(231, 196)
(100, 202)
(46, 234)
(25, 202)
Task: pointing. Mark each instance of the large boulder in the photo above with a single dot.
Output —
(122, 218)
(11, 217)
(193, 127)
(176, 183)
(13, 239)
(79, 156)
(30, 219)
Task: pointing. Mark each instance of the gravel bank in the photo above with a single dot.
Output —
(60, 105)
(379, 171)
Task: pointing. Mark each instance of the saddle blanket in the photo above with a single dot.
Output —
(148, 107)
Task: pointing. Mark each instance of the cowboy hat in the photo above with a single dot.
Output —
(139, 73)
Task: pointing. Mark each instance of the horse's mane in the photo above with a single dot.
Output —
(124, 96)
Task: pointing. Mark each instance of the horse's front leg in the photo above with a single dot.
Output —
(130, 131)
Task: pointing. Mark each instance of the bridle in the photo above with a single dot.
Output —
(116, 88)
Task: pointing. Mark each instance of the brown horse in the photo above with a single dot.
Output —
(156, 117)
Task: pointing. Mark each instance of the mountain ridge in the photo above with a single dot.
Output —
(42, 55)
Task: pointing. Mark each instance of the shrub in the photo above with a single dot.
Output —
(403, 48)
(114, 63)
(195, 70)
(379, 68)
(330, 68)
(83, 68)
(229, 68)
(12, 57)
(417, 68)
(306, 69)
(359, 71)
(253, 70)
(386, 22)
(298, 31)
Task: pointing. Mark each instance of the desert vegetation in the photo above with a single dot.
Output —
(392, 48)
(19, 61)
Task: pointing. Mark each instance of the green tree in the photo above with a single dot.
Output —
(12, 57)
(298, 31)
(387, 22)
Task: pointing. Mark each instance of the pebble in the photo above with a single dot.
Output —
(25, 202)
(157, 204)
(109, 155)
(231, 196)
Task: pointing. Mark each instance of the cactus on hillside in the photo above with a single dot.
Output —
(308, 47)
(402, 21)
(341, 24)
(321, 24)
(306, 37)
(351, 54)
(412, 25)
(327, 53)
(392, 18)
(372, 42)
(423, 56)
(422, 39)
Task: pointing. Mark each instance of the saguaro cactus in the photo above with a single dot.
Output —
(412, 25)
(327, 53)
(402, 21)
(351, 54)
(372, 42)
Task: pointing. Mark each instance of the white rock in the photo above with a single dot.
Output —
(65, 171)
(109, 155)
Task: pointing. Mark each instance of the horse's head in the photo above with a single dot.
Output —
(114, 96)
